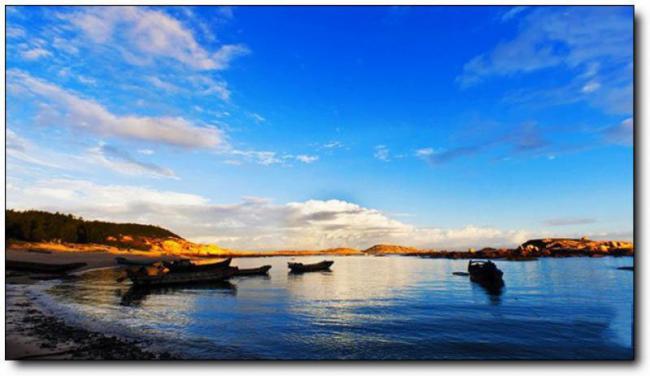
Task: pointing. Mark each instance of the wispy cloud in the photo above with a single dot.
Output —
(526, 139)
(512, 12)
(35, 53)
(307, 158)
(259, 119)
(622, 134)
(578, 39)
(382, 153)
(121, 161)
(88, 115)
(146, 34)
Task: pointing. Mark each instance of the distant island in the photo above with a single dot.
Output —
(43, 232)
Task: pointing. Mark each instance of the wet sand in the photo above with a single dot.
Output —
(33, 334)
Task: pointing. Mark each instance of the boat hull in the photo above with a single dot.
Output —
(303, 268)
(255, 271)
(486, 274)
(186, 266)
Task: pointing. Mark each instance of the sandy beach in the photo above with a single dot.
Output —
(34, 334)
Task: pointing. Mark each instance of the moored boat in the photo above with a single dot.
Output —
(185, 265)
(262, 270)
(298, 267)
(37, 267)
(158, 275)
(486, 274)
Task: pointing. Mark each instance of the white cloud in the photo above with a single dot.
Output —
(15, 32)
(35, 53)
(86, 114)
(254, 223)
(333, 145)
(590, 87)
(64, 45)
(424, 152)
(265, 158)
(382, 153)
(146, 34)
(307, 158)
(160, 84)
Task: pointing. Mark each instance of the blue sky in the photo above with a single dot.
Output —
(315, 127)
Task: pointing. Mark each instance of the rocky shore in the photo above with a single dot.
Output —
(549, 247)
(33, 334)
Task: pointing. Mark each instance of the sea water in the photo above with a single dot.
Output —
(367, 307)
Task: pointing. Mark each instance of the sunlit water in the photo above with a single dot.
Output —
(372, 308)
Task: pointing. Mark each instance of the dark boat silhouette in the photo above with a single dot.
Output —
(486, 274)
(262, 270)
(185, 266)
(298, 267)
(159, 275)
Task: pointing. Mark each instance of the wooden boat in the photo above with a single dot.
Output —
(130, 262)
(37, 267)
(263, 270)
(145, 277)
(189, 266)
(486, 274)
(298, 267)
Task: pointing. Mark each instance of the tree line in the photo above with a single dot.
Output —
(36, 226)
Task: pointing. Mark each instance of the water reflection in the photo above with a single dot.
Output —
(379, 308)
(135, 295)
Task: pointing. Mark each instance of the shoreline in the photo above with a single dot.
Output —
(98, 255)
(34, 334)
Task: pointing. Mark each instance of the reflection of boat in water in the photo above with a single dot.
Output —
(262, 270)
(37, 267)
(136, 294)
(486, 274)
(298, 267)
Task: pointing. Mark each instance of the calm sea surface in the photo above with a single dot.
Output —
(372, 308)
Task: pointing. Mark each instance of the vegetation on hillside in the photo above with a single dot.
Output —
(42, 226)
